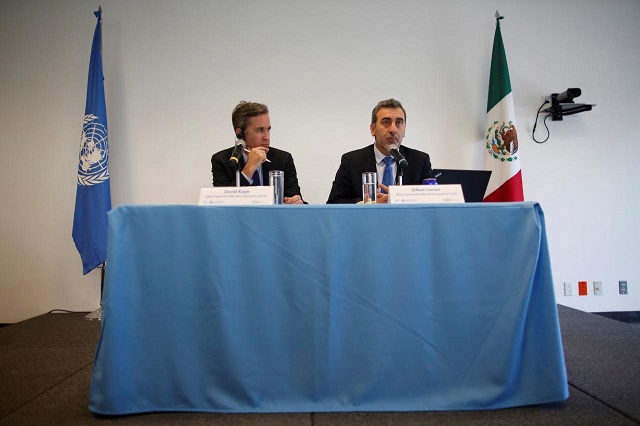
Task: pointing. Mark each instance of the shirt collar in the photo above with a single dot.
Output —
(379, 155)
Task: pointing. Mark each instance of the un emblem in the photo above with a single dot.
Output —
(93, 165)
(502, 141)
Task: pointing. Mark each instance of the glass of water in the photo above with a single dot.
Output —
(369, 187)
(276, 179)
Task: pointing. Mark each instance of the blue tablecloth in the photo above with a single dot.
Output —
(327, 308)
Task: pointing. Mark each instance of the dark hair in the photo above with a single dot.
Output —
(243, 112)
(387, 103)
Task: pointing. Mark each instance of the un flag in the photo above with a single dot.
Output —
(93, 194)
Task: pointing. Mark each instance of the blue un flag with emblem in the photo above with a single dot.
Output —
(93, 194)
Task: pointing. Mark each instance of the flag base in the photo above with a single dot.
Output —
(95, 315)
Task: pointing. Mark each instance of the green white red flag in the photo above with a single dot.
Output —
(501, 141)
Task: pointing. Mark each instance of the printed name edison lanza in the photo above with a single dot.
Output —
(427, 188)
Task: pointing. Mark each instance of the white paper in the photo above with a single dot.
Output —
(237, 196)
(425, 194)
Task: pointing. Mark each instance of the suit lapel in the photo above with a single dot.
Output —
(266, 168)
(409, 173)
(370, 160)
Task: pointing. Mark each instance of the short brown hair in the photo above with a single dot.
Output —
(387, 103)
(244, 111)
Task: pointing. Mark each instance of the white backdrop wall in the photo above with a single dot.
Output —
(174, 70)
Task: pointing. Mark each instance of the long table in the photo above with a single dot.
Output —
(327, 308)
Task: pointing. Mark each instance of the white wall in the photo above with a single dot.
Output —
(175, 69)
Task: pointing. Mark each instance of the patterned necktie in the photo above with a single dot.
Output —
(387, 177)
(256, 178)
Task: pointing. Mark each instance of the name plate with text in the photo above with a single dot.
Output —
(237, 196)
(425, 194)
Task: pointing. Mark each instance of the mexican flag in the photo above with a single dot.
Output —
(501, 141)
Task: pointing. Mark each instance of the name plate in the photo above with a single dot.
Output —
(425, 194)
(236, 196)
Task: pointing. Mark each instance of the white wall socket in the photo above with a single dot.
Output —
(568, 289)
(597, 288)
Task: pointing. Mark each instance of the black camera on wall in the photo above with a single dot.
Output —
(562, 104)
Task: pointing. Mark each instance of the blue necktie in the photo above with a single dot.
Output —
(256, 178)
(387, 177)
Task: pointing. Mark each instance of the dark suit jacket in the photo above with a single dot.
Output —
(224, 173)
(347, 186)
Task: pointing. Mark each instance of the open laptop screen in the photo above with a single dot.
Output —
(474, 182)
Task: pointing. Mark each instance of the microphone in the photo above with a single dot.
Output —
(237, 151)
(397, 155)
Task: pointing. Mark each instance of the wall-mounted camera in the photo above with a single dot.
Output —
(562, 104)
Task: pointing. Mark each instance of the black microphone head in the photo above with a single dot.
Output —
(397, 155)
(237, 151)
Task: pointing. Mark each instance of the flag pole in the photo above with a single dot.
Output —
(102, 269)
(97, 314)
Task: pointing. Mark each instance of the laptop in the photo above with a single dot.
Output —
(474, 182)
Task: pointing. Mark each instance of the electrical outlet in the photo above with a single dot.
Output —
(582, 288)
(568, 289)
(597, 288)
(622, 287)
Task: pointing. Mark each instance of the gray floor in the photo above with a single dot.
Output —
(46, 364)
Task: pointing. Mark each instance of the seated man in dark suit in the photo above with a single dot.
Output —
(388, 121)
(251, 124)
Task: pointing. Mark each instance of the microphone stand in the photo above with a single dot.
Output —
(238, 174)
(399, 175)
